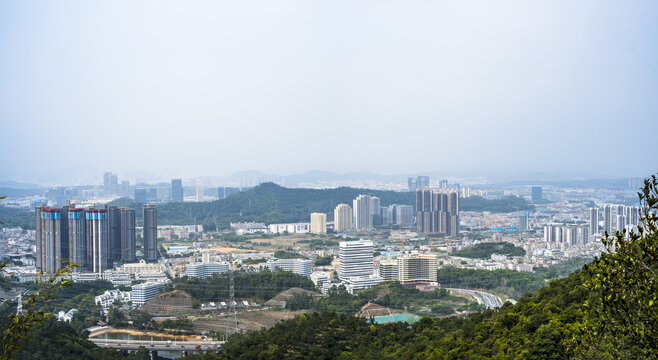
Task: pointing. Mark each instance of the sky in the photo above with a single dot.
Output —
(208, 88)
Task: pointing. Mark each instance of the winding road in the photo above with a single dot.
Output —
(491, 301)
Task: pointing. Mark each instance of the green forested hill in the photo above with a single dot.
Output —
(539, 326)
(270, 203)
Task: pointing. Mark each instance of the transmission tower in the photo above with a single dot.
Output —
(231, 323)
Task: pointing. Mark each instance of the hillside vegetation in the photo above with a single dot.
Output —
(485, 250)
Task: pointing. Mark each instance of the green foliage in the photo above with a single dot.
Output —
(141, 319)
(17, 217)
(622, 315)
(484, 250)
(323, 261)
(176, 324)
(261, 285)
(299, 301)
(282, 254)
(535, 328)
(506, 204)
(509, 282)
(15, 329)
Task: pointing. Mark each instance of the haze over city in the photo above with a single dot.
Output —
(157, 90)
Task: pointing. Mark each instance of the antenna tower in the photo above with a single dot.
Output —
(231, 323)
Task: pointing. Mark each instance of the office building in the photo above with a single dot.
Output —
(388, 270)
(110, 183)
(204, 270)
(97, 241)
(342, 218)
(417, 268)
(127, 235)
(594, 221)
(536, 193)
(150, 236)
(113, 234)
(437, 212)
(356, 258)
(361, 212)
(297, 266)
(524, 221)
(77, 238)
(374, 208)
(319, 223)
(176, 190)
(142, 293)
(607, 219)
(51, 240)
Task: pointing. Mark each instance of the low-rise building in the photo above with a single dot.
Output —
(297, 266)
(142, 293)
(204, 270)
(109, 297)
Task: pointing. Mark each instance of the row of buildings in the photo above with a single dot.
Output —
(92, 238)
(615, 218)
(437, 211)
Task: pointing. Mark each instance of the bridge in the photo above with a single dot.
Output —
(491, 301)
(186, 346)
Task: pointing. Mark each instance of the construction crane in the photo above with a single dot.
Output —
(433, 243)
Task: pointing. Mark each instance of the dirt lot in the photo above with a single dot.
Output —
(252, 320)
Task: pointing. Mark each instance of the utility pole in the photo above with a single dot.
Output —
(231, 307)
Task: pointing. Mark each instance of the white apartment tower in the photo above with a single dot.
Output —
(318, 223)
(342, 218)
(362, 213)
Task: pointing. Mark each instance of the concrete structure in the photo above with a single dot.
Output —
(417, 268)
(297, 266)
(362, 219)
(142, 293)
(321, 280)
(176, 190)
(524, 221)
(594, 221)
(128, 235)
(142, 268)
(150, 236)
(342, 218)
(356, 258)
(109, 297)
(437, 212)
(51, 239)
(607, 219)
(319, 223)
(77, 238)
(388, 270)
(294, 228)
(97, 244)
(204, 270)
(356, 283)
(113, 234)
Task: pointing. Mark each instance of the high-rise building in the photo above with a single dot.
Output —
(403, 215)
(362, 213)
(374, 208)
(318, 223)
(594, 221)
(51, 239)
(127, 235)
(113, 234)
(536, 193)
(199, 194)
(621, 223)
(97, 242)
(356, 258)
(524, 221)
(443, 184)
(437, 212)
(140, 195)
(77, 238)
(632, 215)
(607, 218)
(412, 184)
(177, 190)
(110, 183)
(417, 268)
(342, 218)
(150, 237)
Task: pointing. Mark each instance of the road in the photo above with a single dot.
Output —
(491, 301)
(158, 345)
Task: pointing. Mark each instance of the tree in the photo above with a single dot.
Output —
(18, 326)
(621, 316)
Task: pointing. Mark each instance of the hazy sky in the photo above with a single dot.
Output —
(192, 88)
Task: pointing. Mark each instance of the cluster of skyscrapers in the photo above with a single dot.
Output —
(92, 238)
(566, 235)
(437, 212)
(366, 212)
(615, 218)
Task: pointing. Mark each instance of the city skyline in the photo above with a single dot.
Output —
(511, 87)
